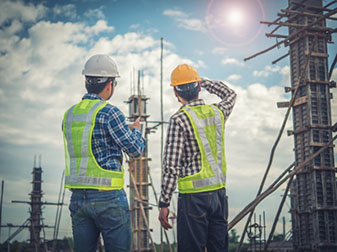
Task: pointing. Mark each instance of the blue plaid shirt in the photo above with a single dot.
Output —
(111, 136)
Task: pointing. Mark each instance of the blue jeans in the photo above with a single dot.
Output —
(94, 212)
(202, 221)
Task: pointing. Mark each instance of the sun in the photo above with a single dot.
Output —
(235, 17)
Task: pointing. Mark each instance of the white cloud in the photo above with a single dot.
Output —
(175, 14)
(267, 71)
(68, 10)
(2, 95)
(219, 50)
(285, 72)
(122, 44)
(95, 14)
(199, 53)
(19, 10)
(134, 26)
(231, 61)
(260, 73)
(201, 64)
(184, 20)
(100, 26)
(234, 77)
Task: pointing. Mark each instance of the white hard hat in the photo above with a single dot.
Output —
(100, 65)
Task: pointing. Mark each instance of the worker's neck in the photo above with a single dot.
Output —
(184, 102)
(106, 93)
(103, 96)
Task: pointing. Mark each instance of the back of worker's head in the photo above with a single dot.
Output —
(99, 70)
(185, 80)
(95, 85)
(189, 91)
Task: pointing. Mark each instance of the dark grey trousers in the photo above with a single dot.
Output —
(202, 221)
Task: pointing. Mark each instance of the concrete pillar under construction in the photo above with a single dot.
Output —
(313, 194)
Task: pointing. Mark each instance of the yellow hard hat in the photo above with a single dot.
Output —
(184, 74)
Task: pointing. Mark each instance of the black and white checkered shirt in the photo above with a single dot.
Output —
(181, 153)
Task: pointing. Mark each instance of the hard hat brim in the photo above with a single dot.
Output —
(100, 75)
(184, 82)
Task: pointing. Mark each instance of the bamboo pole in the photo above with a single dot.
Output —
(293, 35)
(278, 214)
(304, 13)
(270, 190)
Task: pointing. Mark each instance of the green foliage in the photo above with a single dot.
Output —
(233, 237)
(278, 237)
(234, 240)
(166, 247)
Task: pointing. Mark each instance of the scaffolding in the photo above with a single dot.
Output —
(139, 178)
(35, 222)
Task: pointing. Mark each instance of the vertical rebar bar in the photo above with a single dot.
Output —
(264, 226)
(1, 200)
(162, 125)
(284, 227)
(260, 231)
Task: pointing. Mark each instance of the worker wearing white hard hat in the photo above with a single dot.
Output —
(95, 136)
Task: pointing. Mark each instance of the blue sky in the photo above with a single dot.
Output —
(44, 45)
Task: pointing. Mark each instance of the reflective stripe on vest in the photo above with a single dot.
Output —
(188, 184)
(77, 174)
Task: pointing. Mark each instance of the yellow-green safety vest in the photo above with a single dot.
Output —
(82, 169)
(209, 130)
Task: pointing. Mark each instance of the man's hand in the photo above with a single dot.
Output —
(136, 124)
(163, 217)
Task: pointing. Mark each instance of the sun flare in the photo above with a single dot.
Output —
(235, 17)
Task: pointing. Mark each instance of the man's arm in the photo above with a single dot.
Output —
(227, 95)
(173, 151)
(130, 141)
(171, 168)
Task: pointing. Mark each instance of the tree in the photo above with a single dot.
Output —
(233, 237)
(278, 237)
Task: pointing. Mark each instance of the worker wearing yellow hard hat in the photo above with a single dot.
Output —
(184, 74)
(194, 159)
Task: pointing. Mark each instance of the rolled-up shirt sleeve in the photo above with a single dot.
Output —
(130, 141)
(226, 94)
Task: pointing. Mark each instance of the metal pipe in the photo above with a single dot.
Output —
(162, 125)
(1, 200)
(264, 226)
